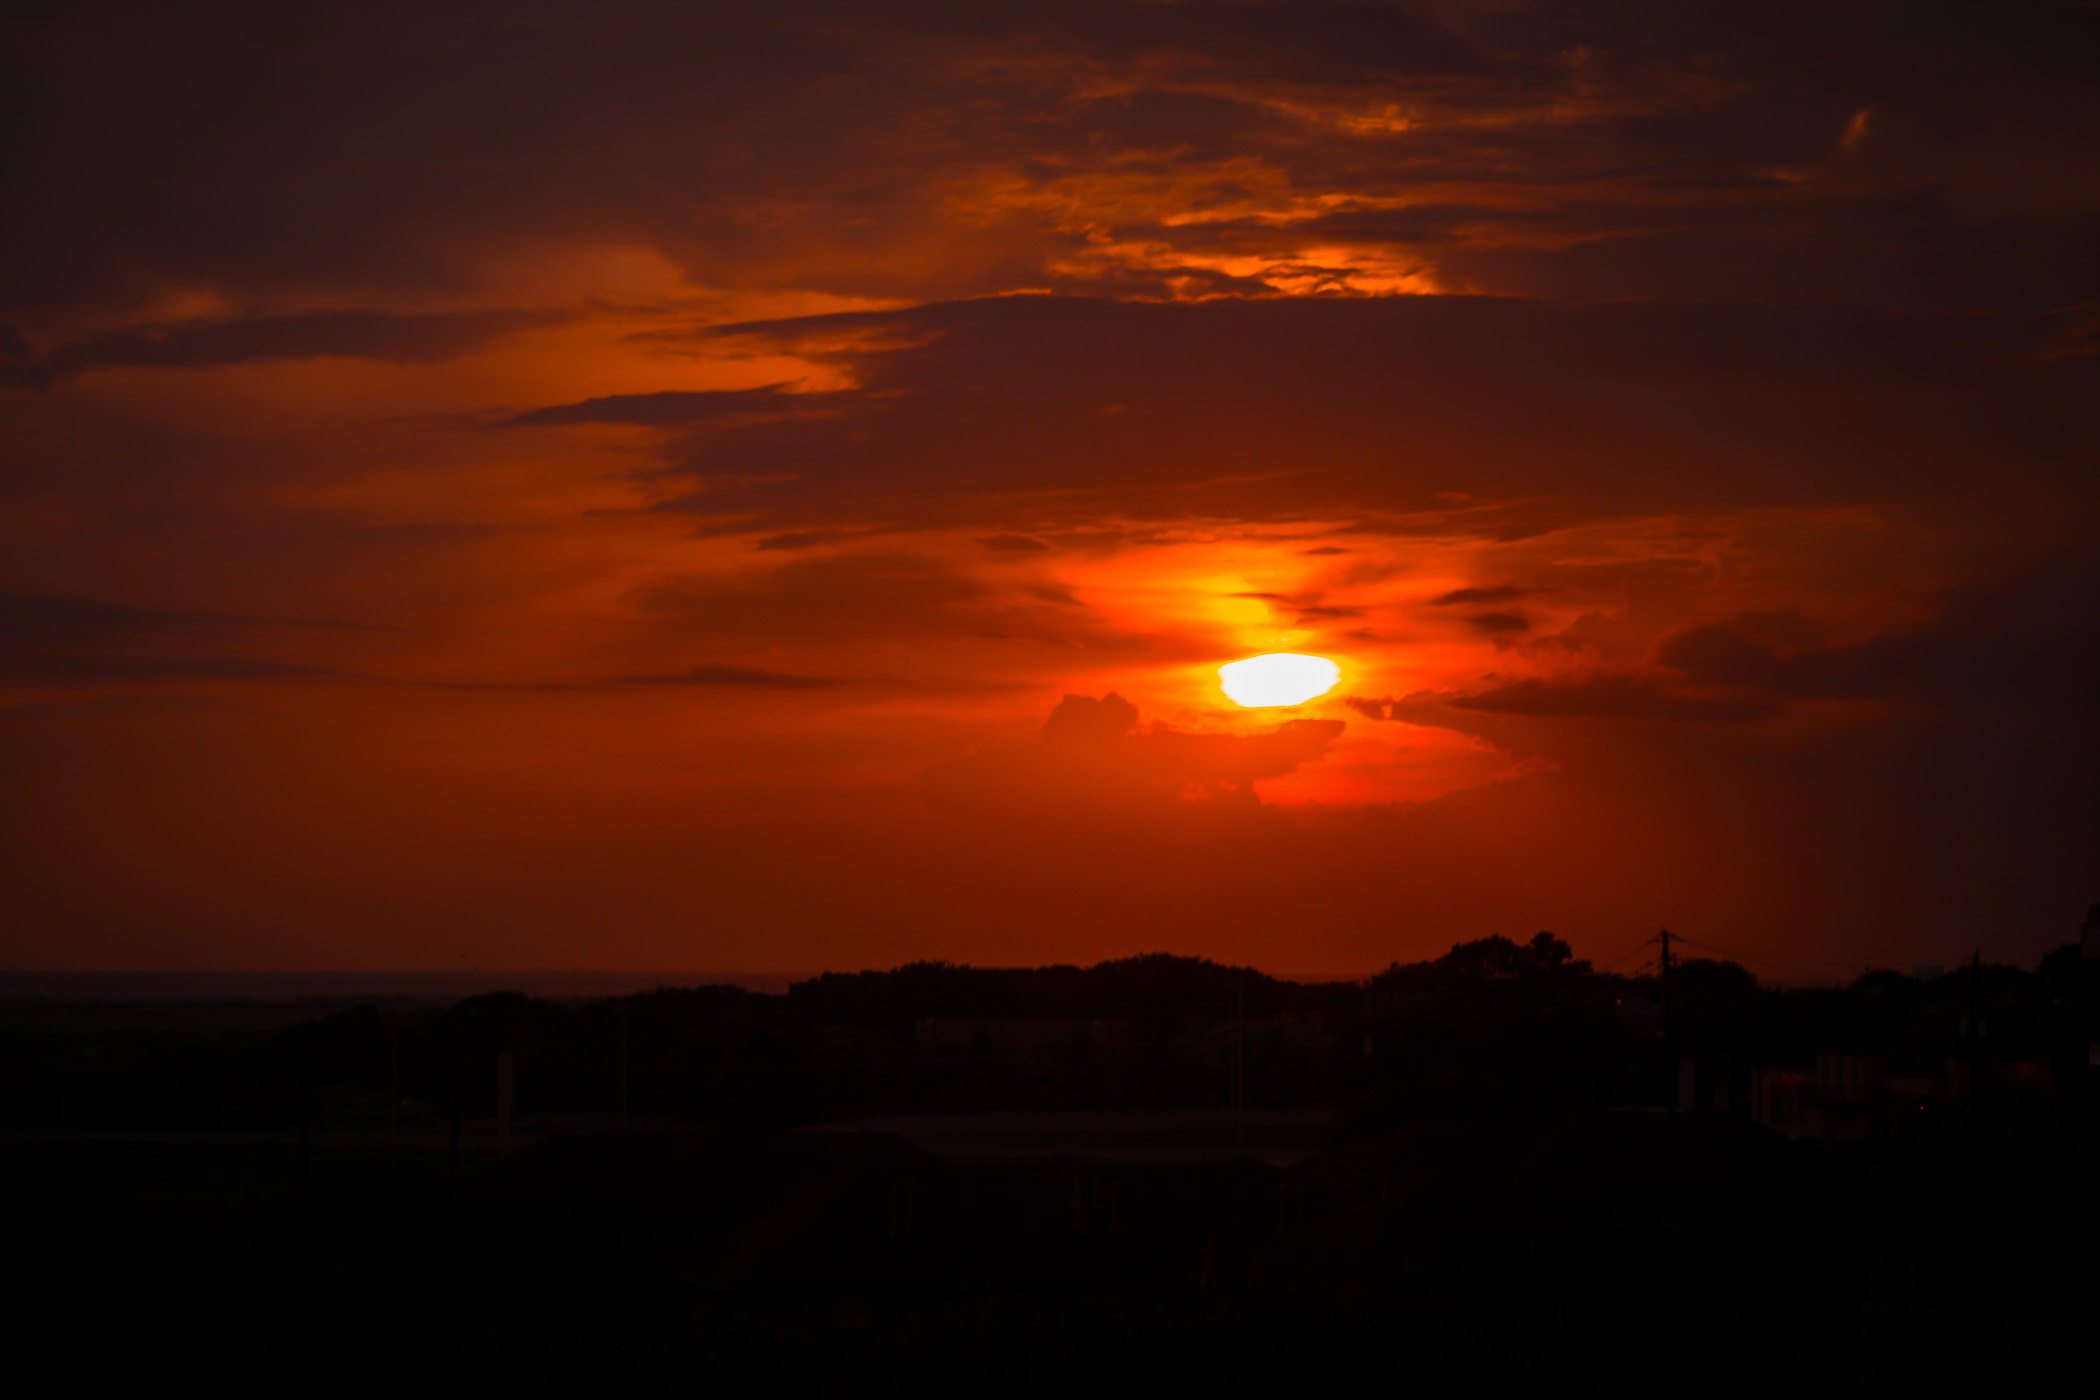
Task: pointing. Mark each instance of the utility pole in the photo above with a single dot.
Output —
(1239, 1063)
(1668, 1038)
(457, 1089)
(506, 1102)
(1976, 995)
(1975, 1029)
(1677, 1105)
(623, 1073)
(394, 1101)
(306, 1127)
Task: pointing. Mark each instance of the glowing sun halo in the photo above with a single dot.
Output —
(1277, 678)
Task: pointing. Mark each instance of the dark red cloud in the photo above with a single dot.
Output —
(1030, 409)
(1562, 150)
(1594, 697)
(201, 343)
(2023, 642)
(1092, 759)
(61, 641)
(671, 408)
(710, 675)
(1501, 593)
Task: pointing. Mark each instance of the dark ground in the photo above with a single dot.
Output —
(1495, 1193)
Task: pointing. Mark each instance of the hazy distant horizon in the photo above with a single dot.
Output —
(341, 984)
(178, 984)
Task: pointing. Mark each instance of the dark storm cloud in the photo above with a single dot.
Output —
(738, 676)
(1034, 411)
(29, 620)
(1504, 593)
(1585, 150)
(2024, 643)
(198, 344)
(90, 670)
(805, 539)
(1594, 697)
(1305, 44)
(840, 599)
(1092, 754)
(53, 640)
(832, 596)
(1879, 248)
(1498, 624)
(1915, 144)
(2018, 647)
(671, 408)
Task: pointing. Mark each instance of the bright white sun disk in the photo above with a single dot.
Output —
(1277, 678)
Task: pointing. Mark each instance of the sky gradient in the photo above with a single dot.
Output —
(720, 488)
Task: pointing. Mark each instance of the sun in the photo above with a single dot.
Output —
(1277, 678)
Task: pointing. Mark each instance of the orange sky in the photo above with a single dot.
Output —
(628, 486)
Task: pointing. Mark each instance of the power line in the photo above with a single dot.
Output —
(1631, 952)
(1819, 974)
(1664, 957)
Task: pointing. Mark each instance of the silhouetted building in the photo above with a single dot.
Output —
(1299, 1032)
(1704, 1086)
(1777, 1097)
(1855, 1095)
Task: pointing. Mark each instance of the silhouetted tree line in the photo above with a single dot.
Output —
(1493, 1022)
(1154, 990)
